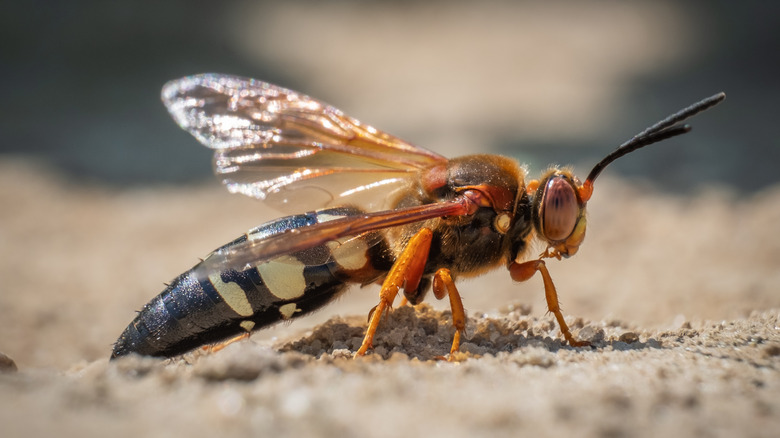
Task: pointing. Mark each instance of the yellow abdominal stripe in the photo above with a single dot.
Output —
(283, 277)
(288, 310)
(351, 254)
(234, 296)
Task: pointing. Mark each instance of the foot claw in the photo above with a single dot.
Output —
(578, 344)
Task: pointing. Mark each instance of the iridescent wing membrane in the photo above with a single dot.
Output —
(278, 145)
(281, 146)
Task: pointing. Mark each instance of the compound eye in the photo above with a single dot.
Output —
(559, 209)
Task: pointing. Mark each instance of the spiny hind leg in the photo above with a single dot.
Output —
(406, 272)
(443, 285)
(220, 345)
(246, 325)
(524, 271)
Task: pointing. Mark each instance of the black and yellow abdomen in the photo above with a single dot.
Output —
(197, 309)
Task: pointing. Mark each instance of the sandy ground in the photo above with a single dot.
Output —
(679, 295)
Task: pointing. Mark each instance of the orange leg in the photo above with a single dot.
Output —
(443, 285)
(216, 347)
(524, 271)
(406, 272)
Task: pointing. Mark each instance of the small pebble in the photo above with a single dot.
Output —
(591, 334)
(772, 350)
(7, 365)
(629, 337)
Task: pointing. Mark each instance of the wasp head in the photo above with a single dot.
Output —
(558, 210)
(559, 199)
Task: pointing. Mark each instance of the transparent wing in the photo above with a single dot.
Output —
(270, 140)
(255, 251)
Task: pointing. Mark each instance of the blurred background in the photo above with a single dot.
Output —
(561, 83)
(104, 197)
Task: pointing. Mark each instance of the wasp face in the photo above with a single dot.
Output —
(559, 213)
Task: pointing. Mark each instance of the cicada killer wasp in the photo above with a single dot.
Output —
(388, 212)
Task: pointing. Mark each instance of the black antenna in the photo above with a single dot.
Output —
(666, 128)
